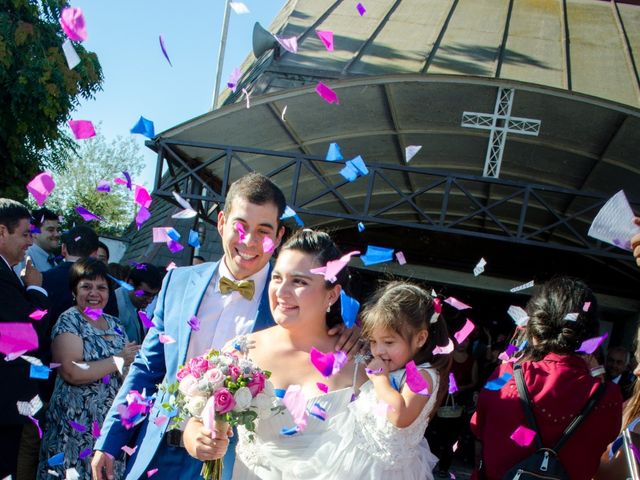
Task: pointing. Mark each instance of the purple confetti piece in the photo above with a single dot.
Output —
(93, 313)
(194, 323)
(129, 181)
(164, 50)
(375, 371)
(106, 379)
(37, 424)
(361, 9)
(591, 345)
(138, 293)
(174, 246)
(86, 214)
(103, 186)
(34, 230)
(453, 386)
(144, 318)
(142, 216)
(85, 453)
(95, 429)
(77, 426)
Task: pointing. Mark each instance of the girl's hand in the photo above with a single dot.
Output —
(377, 368)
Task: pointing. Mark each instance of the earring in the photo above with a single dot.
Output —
(329, 308)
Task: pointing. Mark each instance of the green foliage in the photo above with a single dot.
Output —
(95, 159)
(37, 91)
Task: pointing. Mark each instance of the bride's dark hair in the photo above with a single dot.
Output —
(323, 249)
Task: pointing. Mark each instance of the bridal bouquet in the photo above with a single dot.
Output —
(222, 389)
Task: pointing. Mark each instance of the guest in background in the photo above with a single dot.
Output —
(46, 241)
(19, 298)
(616, 368)
(88, 348)
(197, 260)
(145, 281)
(102, 253)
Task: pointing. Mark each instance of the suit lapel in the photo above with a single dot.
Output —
(9, 273)
(194, 290)
(263, 315)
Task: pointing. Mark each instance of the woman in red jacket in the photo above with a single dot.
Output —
(559, 382)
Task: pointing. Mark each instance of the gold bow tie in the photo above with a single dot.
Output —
(246, 288)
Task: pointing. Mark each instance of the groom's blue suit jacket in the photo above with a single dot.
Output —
(179, 299)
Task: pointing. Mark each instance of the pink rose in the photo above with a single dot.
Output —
(234, 372)
(189, 386)
(215, 377)
(183, 372)
(256, 385)
(224, 401)
(198, 366)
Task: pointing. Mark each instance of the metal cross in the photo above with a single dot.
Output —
(499, 123)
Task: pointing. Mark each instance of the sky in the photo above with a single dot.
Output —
(138, 80)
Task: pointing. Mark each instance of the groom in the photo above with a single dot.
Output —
(253, 205)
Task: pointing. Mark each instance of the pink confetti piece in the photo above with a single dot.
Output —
(318, 411)
(232, 83)
(523, 436)
(142, 197)
(327, 363)
(296, 403)
(85, 453)
(160, 234)
(453, 386)
(37, 424)
(128, 450)
(120, 181)
(77, 426)
(86, 214)
(73, 24)
(340, 360)
(327, 94)
(267, 245)
(290, 44)
(455, 446)
(142, 216)
(93, 313)
(506, 355)
(41, 187)
(82, 129)
(400, 258)
(464, 332)
(586, 306)
(242, 233)
(361, 9)
(164, 49)
(174, 247)
(17, 337)
(166, 339)
(333, 267)
(95, 429)
(103, 186)
(152, 472)
(37, 314)
(160, 420)
(440, 350)
(591, 345)
(322, 387)
(171, 266)
(194, 323)
(415, 381)
(326, 37)
(437, 304)
(457, 304)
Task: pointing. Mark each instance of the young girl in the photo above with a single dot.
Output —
(381, 435)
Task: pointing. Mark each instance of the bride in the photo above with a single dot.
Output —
(304, 307)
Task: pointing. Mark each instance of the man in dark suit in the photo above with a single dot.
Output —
(616, 369)
(19, 297)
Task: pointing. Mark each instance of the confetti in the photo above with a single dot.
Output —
(145, 127)
(440, 350)
(73, 25)
(268, 245)
(523, 436)
(232, 83)
(361, 9)
(82, 365)
(462, 334)
(37, 314)
(41, 186)
(290, 44)
(39, 372)
(334, 153)
(194, 323)
(82, 129)
(119, 361)
(322, 387)
(479, 268)
(354, 168)
(400, 258)
(375, 255)
(326, 37)
(128, 450)
(519, 315)
(318, 411)
(415, 381)
(86, 214)
(103, 186)
(524, 286)
(93, 313)
(327, 94)
(194, 239)
(166, 339)
(152, 472)
(453, 386)
(498, 383)
(70, 54)
(296, 403)
(164, 49)
(360, 227)
(239, 7)
(410, 152)
(591, 345)
(349, 308)
(30, 408)
(77, 426)
(17, 337)
(572, 317)
(333, 267)
(457, 304)
(142, 216)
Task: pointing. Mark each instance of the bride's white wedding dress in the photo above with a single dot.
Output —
(355, 441)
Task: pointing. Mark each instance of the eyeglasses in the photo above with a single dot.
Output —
(145, 294)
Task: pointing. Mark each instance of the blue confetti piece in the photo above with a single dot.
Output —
(354, 168)
(375, 255)
(173, 234)
(40, 372)
(144, 127)
(57, 459)
(523, 346)
(349, 308)
(122, 283)
(289, 431)
(360, 227)
(498, 383)
(318, 411)
(334, 152)
(118, 331)
(280, 392)
(394, 383)
(194, 240)
(291, 213)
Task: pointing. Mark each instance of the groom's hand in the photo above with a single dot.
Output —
(102, 466)
(199, 443)
(349, 340)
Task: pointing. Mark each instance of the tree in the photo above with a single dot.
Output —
(37, 91)
(76, 181)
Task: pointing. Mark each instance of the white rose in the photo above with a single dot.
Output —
(243, 399)
(195, 405)
(263, 404)
(269, 389)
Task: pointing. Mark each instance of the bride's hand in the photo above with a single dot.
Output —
(199, 443)
(349, 340)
